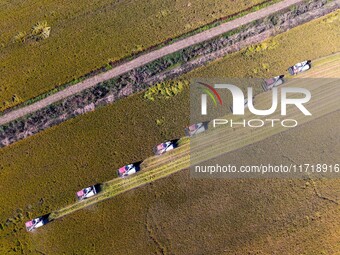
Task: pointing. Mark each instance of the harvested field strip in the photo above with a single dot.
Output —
(111, 190)
(329, 71)
(328, 97)
(325, 94)
(181, 208)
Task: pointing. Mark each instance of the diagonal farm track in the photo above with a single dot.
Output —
(146, 58)
(326, 91)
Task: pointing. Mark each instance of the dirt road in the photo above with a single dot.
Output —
(146, 58)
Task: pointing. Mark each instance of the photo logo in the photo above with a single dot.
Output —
(240, 101)
(207, 89)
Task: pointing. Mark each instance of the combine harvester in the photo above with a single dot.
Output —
(88, 192)
(273, 82)
(164, 147)
(300, 67)
(196, 129)
(37, 222)
(128, 170)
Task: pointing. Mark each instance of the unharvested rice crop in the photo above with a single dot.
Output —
(42, 173)
(87, 35)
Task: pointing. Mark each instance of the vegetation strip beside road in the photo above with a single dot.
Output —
(181, 158)
(147, 58)
(8, 106)
(155, 27)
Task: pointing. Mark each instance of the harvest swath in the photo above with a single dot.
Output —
(204, 147)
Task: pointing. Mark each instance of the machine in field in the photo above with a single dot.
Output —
(300, 67)
(164, 147)
(196, 129)
(273, 82)
(128, 170)
(87, 192)
(36, 223)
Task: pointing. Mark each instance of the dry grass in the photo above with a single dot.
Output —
(54, 164)
(89, 35)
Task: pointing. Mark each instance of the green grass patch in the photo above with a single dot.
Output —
(166, 89)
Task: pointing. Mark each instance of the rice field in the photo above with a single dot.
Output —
(87, 36)
(215, 143)
(56, 163)
(181, 215)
